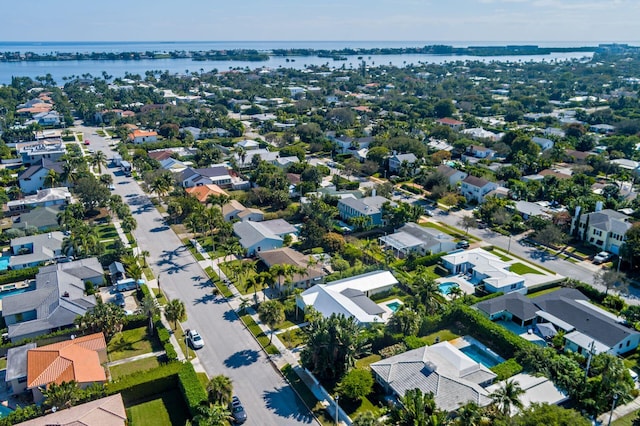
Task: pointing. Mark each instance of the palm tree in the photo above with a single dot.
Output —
(212, 415)
(52, 178)
(149, 307)
(175, 311)
(61, 396)
(271, 313)
(507, 396)
(428, 292)
(98, 161)
(417, 409)
(106, 180)
(219, 390)
(144, 254)
(244, 305)
(367, 418)
(470, 415)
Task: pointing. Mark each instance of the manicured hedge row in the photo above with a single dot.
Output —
(13, 276)
(506, 369)
(428, 260)
(493, 335)
(192, 390)
(143, 384)
(170, 352)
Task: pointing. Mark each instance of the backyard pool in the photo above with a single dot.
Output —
(14, 291)
(479, 355)
(4, 263)
(445, 288)
(394, 306)
(5, 411)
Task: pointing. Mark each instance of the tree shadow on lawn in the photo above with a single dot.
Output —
(242, 358)
(285, 403)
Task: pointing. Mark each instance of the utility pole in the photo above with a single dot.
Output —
(591, 351)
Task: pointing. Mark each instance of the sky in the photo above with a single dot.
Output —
(319, 20)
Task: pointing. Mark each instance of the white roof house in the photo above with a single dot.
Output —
(415, 238)
(261, 236)
(350, 296)
(441, 369)
(537, 390)
(486, 268)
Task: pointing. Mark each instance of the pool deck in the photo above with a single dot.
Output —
(464, 285)
(464, 341)
(387, 311)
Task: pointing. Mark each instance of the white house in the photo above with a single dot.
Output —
(543, 143)
(453, 175)
(212, 175)
(417, 239)
(34, 250)
(350, 297)
(475, 188)
(484, 268)
(138, 136)
(605, 229)
(479, 151)
(396, 161)
(261, 236)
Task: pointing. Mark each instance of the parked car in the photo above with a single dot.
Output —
(119, 300)
(602, 257)
(463, 244)
(237, 411)
(194, 339)
(87, 142)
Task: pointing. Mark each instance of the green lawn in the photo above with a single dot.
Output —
(540, 293)
(521, 268)
(117, 371)
(443, 335)
(166, 409)
(106, 231)
(291, 338)
(454, 232)
(263, 339)
(3, 363)
(131, 343)
(495, 252)
(626, 420)
(367, 361)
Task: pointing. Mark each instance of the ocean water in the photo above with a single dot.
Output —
(62, 69)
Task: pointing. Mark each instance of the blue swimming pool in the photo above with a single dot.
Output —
(445, 288)
(4, 263)
(478, 355)
(5, 411)
(394, 306)
(14, 291)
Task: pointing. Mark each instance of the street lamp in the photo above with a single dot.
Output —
(338, 397)
(613, 407)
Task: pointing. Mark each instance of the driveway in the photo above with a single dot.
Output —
(229, 348)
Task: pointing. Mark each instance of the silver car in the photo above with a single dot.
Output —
(194, 339)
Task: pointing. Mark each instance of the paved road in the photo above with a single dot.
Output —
(582, 271)
(229, 349)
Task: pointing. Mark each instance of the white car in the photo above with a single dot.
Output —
(602, 257)
(194, 339)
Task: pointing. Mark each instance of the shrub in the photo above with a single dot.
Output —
(506, 369)
(170, 352)
(392, 350)
(143, 384)
(163, 335)
(13, 276)
(428, 260)
(143, 291)
(414, 342)
(192, 390)
(22, 414)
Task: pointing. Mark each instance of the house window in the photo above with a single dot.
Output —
(620, 346)
(628, 342)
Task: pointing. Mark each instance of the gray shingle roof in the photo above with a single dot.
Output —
(475, 181)
(514, 302)
(17, 362)
(608, 220)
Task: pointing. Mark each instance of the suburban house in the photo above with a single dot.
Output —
(34, 250)
(605, 229)
(287, 256)
(218, 175)
(350, 297)
(537, 390)
(453, 175)
(543, 143)
(262, 236)
(480, 133)
(16, 370)
(369, 207)
(57, 298)
(245, 159)
(203, 192)
(117, 272)
(527, 209)
(451, 376)
(413, 238)
(107, 411)
(475, 188)
(346, 144)
(173, 165)
(44, 219)
(43, 198)
(247, 144)
(234, 210)
(397, 160)
(141, 136)
(603, 129)
(451, 123)
(479, 151)
(484, 268)
(587, 327)
(36, 176)
(33, 152)
(79, 359)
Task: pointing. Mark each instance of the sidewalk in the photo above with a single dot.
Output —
(620, 411)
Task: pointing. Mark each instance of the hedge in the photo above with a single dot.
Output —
(143, 291)
(16, 275)
(170, 352)
(144, 384)
(192, 390)
(429, 260)
(22, 414)
(163, 334)
(493, 335)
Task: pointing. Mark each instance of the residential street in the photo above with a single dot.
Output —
(229, 348)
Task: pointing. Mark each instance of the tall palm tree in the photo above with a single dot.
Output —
(52, 178)
(128, 223)
(428, 292)
(61, 396)
(212, 415)
(175, 311)
(271, 313)
(144, 254)
(98, 161)
(149, 307)
(219, 390)
(507, 397)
